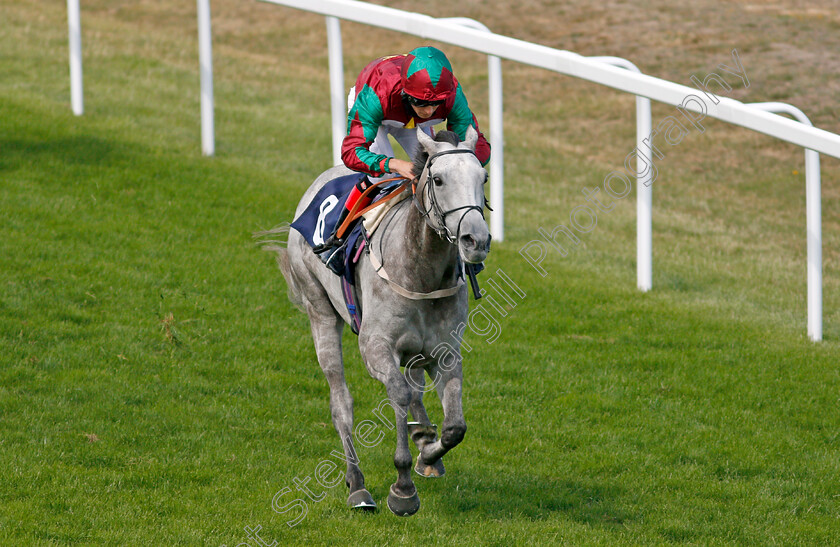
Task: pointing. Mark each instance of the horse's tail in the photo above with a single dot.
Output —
(276, 240)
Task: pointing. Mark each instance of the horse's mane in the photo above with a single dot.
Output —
(420, 155)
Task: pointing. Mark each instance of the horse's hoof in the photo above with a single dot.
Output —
(401, 506)
(435, 470)
(361, 500)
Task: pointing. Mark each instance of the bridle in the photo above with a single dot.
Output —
(436, 217)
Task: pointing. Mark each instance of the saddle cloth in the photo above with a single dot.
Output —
(319, 220)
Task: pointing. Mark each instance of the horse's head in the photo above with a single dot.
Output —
(450, 191)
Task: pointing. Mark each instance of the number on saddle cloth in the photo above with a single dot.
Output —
(319, 219)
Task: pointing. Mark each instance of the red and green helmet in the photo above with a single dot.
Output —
(427, 75)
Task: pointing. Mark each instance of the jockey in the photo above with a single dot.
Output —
(395, 95)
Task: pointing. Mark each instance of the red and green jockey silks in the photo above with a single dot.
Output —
(379, 99)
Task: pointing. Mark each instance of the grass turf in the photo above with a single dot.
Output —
(157, 387)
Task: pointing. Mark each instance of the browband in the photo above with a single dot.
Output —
(445, 152)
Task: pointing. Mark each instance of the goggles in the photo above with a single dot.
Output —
(421, 103)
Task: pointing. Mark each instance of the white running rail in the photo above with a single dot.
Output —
(758, 118)
(609, 71)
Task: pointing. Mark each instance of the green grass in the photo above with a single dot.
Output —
(157, 387)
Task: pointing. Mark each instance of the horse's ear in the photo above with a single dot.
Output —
(472, 138)
(426, 142)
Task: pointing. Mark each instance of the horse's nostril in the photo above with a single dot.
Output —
(468, 241)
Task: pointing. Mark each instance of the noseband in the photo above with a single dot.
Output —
(434, 214)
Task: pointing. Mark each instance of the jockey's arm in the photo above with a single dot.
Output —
(363, 123)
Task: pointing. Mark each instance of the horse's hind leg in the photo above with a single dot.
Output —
(421, 430)
(326, 331)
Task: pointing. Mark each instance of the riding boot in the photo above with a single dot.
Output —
(334, 240)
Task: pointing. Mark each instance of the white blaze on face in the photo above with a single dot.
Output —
(326, 206)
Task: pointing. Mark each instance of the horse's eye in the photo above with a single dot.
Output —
(486, 176)
(437, 180)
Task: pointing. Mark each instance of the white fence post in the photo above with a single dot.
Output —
(74, 23)
(337, 91)
(497, 141)
(813, 214)
(644, 196)
(644, 188)
(205, 60)
(813, 207)
(497, 133)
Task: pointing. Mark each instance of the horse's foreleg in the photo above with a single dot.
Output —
(327, 336)
(384, 366)
(421, 431)
(417, 381)
(448, 384)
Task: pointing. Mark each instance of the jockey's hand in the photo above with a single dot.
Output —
(402, 168)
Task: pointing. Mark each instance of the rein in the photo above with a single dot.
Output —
(355, 213)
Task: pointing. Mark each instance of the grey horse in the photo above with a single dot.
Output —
(412, 319)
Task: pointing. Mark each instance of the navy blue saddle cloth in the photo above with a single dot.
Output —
(318, 220)
(320, 217)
